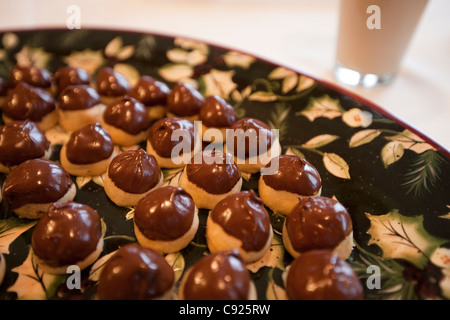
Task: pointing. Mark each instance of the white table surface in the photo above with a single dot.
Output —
(299, 34)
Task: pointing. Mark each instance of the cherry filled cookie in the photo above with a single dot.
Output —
(241, 222)
(136, 273)
(88, 151)
(294, 178)
(318, 223)
(26, 102)
(68, 234)
(153, 94)
(161, 142)
(34, 185)
(131, 176)
(322, 275)
(218, 276)
(21, 141)
(166, 220)
(127, 121)
(184, 101)
(79, 106)
(253, 144)
(210, 177)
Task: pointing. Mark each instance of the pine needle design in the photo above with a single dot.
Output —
(424, 173)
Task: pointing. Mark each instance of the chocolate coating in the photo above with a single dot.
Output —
(21, 141)
(68, 76)
(218, 276)
(217, 113)
(27, 102)
(3, 88)
(150, 91)
(183, 100)
(111, 83)
(322, 275)
(68, 233)
(294, 175)
(252, 127)
(165, 214)
(35, 181)
(134, 171)
(317, 223)
(161, 131)
(34, 76)
(89, 144)
(135, 273)
(78, 97)
(215, 178)
(128, 115)
(243, 216)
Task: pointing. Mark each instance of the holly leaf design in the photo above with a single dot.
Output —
(323, 107)
(392, 152)
(292, 151)
(34, 284)
(319, 141)
(336, 165)
(237, 59)
(410, 141)
(393, 284)
(11, 229)
(217, 82)
(176, 71)
(304, 83)
(81, 181)
(363, 137)
(402, 237)
(263, 96)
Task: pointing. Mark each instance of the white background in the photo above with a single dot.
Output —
(300, 34)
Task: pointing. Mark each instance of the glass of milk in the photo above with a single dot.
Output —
(373, 37)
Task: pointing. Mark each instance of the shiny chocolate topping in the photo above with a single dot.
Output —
(184, 100)
(243, 216)
(252, 127)
(213, 171)
(294, 175)
(165, 214)
(161, 131)
(218, 276)
(134, 171)
(317, 223)
(111, 83)
(68, 233)
(127, 114)
(35, 181)
(135, 273)
(89, 144)
(78, 97)
(150, 91)
(31, 75)
(216, 112)
(322, 275)
(21, 141)
(28, 102)
(3, 87)
(68, 76)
